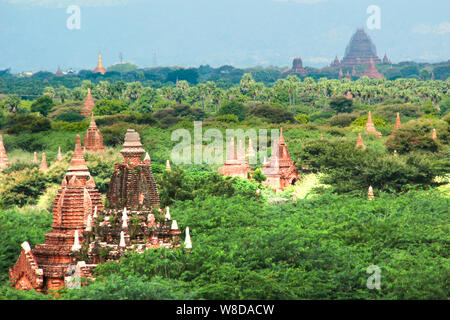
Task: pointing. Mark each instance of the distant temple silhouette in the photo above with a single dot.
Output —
(100, 68)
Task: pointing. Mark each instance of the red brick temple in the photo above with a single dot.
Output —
(84, 234)
(370, 127)
(88, 105)
(235, 164)
(3, 155)
(372, 72)
(100, 68)
(297, 68)
(360, 50)
(93, 139)
(280, 169)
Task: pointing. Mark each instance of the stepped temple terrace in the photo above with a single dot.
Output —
(84, 233)
(360, 50)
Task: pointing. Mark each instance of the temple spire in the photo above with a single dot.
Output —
(168, 167)
(397, 122)
(100, 68)
(59, 157)
(370, 194)
(43, 166)
(76, 242)
(360, 142)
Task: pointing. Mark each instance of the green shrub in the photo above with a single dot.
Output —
(361, 122)
(228, 118)
(341, 104)
(343, 119)
(26, 123)
(106, 107)
(271, 114)
(42, 105)
(67, 126)
(302, 118)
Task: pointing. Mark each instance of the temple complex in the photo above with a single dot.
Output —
(360, 142)
(348, 76)
(297, 68)
(3, 155)
(84, 234)
(360, 50)
(93, 139)
(235, 164)
(100, 68)
(372, 72)
(88, 105)
(59, 72)
(280, 169)
(386, 59)
(370, 127)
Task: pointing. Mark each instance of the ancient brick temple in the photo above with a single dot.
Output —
(100, 68)
(84, 234)
(297, 68)
(3, 155)
(93, 139)
(280, 169)
(44, 267)
(336, 63)
(386, 59)
(88, 105)
(370, 127)
(360, 50)
(235, 164)
(132, 183)
(360, 142)
(372, 72)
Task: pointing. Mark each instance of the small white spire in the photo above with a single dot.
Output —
(76, 242)
(174, 225)
(124, 218)
(95, 213)
(89, 223)
(370, 193)
(187, 240)
(168, 217)
(122, 240)
(26, 247)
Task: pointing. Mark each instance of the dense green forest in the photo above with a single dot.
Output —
(249, 245)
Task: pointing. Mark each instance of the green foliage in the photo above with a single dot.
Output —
(70, 116)
(430, 110)
(302, 118)
(341, 104)
(17, 226)
(42, 105)
(234, 107)
(67, 126)
(407, 111)
(361, 122)
(417, 135)
(311, 249)
(271, 114)
(259, 176)
(343, 119)
(228, 118)
(106, 107)
(350, 170)
(21, 187)
(26, 123)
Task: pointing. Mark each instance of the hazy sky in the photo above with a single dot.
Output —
(34, 34)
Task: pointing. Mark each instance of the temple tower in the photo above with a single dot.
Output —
(88, 105)
(372, 72)
(280, 169)
(132, 183)
(360, 50)
(44, 267)
(93, 139)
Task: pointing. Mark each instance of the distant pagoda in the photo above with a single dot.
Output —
(386, 59)
(297, 68)
(372, 71)
(235, 164)
(360, 50)
(100, 68)
(3, 155)
(59, 72)
(93, 139)
(336, 63)
(88, 105)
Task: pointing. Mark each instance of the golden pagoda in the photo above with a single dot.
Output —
(100, 68)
